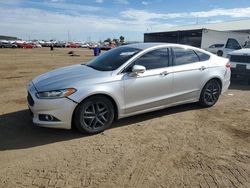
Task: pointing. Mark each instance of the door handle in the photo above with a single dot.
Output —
(164, 73)
(202, 68)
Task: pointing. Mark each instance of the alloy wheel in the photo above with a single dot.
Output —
(212, 92)
(95, 115)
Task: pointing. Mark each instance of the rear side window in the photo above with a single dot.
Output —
(155, 59)
(202, 56)
(185, 56)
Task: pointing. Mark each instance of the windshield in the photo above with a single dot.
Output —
(247, 46)
(113, 59)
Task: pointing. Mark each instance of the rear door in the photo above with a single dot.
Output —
(190, 71)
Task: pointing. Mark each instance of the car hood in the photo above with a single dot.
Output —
(67, 77)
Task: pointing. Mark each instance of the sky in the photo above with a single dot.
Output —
(94, 20)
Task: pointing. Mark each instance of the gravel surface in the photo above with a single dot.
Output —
(184, 146)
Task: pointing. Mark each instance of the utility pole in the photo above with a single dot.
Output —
(68, 36)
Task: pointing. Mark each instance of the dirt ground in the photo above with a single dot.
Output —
(184, 146)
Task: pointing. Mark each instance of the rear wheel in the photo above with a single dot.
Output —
(210, 93)
(94, 115)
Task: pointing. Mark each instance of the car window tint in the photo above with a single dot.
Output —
(202, 56)
(219, 45)
(155, 59)
(233, 44)
(184, 56)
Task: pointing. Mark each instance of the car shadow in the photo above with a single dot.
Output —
(18, 132)
(156, 114)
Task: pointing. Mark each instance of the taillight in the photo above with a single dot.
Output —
(228, 65)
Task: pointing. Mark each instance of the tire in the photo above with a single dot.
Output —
(210, 93)
(220, 53)
(94, 115)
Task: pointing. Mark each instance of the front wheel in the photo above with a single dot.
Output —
(94, 115)
(210, 93)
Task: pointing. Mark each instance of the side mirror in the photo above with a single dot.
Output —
(138, 69)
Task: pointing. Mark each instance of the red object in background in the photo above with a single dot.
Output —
(72, 45)
(25, 45)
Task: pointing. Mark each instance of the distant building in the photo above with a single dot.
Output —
(8, 38)
(203, 35)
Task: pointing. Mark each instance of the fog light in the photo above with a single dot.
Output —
(47, 117)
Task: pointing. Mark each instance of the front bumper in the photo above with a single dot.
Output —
(62, 109)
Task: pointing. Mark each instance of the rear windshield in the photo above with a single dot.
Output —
(113, 59)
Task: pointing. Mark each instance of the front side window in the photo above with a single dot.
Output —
(113, 59)
(185, 56)
(154, 59)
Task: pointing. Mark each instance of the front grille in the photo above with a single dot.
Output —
(240, 58)
(30, 100)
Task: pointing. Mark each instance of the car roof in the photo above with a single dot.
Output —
(146, 45)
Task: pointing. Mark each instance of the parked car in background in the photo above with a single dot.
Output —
(126, 81)
(215, 47)
(59, 45)
(46, 44)
(37, 45)
(93, 45)
(223, 49)
(25, 45)
(73, 45)
(7, 45)
(240, 64)
(85, 45)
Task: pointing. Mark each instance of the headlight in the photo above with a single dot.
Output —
(228, 56)
(55, 94)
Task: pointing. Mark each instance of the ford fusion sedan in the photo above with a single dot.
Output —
(126, 81)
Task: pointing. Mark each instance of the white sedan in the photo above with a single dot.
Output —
(126, 81)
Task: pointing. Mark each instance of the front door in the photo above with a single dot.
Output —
(152, 88)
